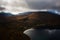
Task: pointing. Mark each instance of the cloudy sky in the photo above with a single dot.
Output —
(24, 5)
(43, 4)
(14, 5)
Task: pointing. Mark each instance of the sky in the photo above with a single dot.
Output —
(15, 6)
(43, 4)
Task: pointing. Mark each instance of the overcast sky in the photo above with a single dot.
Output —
(32, 4)
(43, 4)
(24, 5)
(14, 5)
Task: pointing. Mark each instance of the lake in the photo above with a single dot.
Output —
(43, 34)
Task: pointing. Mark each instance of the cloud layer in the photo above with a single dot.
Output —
(25, 5)
(43, 4)
(14, 5)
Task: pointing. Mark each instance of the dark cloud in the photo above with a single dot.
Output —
(43, 4)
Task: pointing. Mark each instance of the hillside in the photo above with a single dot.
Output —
(13, 26)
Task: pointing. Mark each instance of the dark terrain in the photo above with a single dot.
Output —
(12, 27)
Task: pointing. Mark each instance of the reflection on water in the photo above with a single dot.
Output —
(43, 34)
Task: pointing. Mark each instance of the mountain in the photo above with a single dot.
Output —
(5, 14)
(45, 18)
(24, 13)
(13, 26)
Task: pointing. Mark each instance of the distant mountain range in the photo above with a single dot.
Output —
(26, 13)
(5, 14)
(41, 16)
